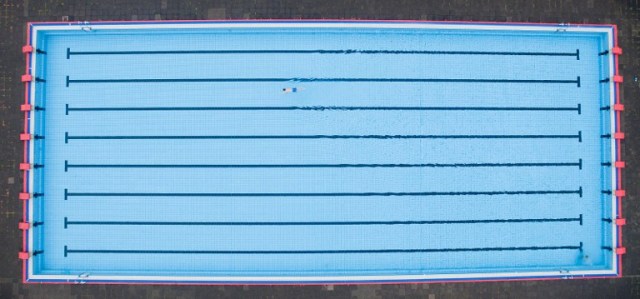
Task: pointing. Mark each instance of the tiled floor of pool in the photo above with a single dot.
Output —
(359, 158)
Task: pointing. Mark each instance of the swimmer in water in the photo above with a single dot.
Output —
(291, 89)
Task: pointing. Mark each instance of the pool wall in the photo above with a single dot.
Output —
(32, 127)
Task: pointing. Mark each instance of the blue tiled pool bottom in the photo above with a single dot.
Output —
(237, 153)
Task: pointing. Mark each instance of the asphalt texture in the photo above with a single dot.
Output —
(15, 13)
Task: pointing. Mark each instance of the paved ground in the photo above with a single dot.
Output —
(14, 14)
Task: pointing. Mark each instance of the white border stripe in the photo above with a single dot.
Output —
(390, 25)
(614, 150)
(318, 279)
(32, 121)
(567, 274)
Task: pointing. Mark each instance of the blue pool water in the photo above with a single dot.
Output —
(320, 152)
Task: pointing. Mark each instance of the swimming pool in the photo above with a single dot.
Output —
(320, 152)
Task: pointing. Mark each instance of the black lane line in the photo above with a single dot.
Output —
(238, 137)
(68, 251)
(253, 80)
(68, 165)
(579, 164)
(319, 51)
(68, 194)
(321, 223)
(319, 108)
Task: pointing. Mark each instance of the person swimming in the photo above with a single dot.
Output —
(290, 89)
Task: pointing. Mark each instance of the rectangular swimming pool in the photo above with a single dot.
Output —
(282, 152)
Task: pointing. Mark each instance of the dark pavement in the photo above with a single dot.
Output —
(15, 13)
